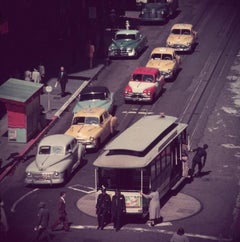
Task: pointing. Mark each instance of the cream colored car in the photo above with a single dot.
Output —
(166, 60)
(92, 126)
(182, 37)
(58, 156)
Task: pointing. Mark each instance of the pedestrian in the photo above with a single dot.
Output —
(118, 209)
(62, 214)
(91, 53)
(43, 221)
(28, 75)
(36, 76)
(3, 223)
(103, 208)
(62, 79)
(179, 236)
(199, 159)
(41, 70)
(154, 206)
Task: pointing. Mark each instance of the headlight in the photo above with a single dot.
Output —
(29, 173)
(56, 173)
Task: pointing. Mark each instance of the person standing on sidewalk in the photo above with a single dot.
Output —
(154, 206)
(62, 214)
(179, 236)
(62, 79)
(43, 220)
(199, 159)
(103, 208)
(91, 52)
(118, 209)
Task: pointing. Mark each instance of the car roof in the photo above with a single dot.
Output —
(163, 50)
(145, 70)
(95, 89)
(56, 139)
(90, 112)
(182, 26)
(127, 31)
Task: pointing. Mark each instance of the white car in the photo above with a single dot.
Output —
(57, 157)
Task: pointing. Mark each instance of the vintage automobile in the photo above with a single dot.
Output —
(95, 96)
(166, 60)
(157, 10)
(182, 37)
(127, 43)
(92, 126)
(145, 85)
(57, 157)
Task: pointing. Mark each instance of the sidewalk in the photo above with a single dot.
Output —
(53, 105)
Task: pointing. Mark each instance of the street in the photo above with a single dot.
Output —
(205, 94)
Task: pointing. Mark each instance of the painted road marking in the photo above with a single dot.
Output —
(153, 230)
(13, 209)
(138, 112)
(82, 188)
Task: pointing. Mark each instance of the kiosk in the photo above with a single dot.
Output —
(22, 100)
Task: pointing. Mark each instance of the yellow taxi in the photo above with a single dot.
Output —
(92, 126)
(166, 60)
(182, 37)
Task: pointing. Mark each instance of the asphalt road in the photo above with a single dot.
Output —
(206, 93)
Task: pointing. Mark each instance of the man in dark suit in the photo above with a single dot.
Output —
(43, 220)
(103, 208)
(62, 79)
(199, 159)
(62, 214)
(118, 209)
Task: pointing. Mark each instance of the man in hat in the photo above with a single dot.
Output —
(199, 159)
(43, 220)
(118, 209)
(103, 208)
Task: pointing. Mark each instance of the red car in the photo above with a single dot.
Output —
(145, 85)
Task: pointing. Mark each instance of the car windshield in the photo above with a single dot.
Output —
(161, 56)
(143, 77)
(185, 31)
(176, 31)
(125, 36)
(59, 150)
(85, 120)
(92, 96)
(47, 150)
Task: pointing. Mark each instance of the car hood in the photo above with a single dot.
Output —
(47, 163)
(84, 131)
(162, 65)
(120, 44)
(179, 39)
(140, 86)
(92, 104)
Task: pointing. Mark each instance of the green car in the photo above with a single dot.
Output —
(127, 43)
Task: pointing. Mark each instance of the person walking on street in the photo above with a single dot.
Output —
(62, 214)
(179, 236)
(199, 159)
(103, 208)
(118, 209)
(43, 221)
(62, 79)
(154, 206)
